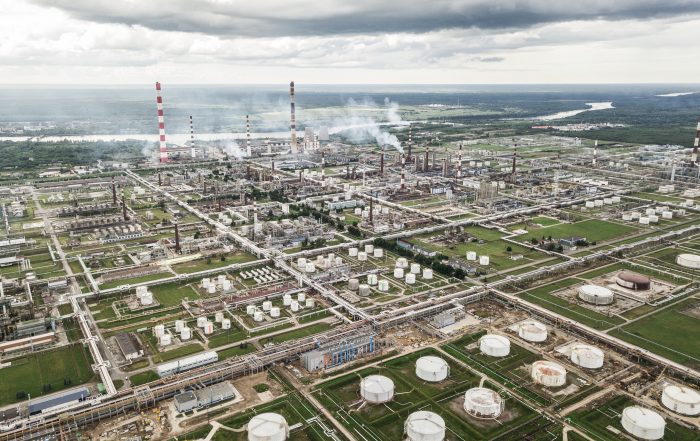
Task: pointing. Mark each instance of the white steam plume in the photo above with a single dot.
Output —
(363, 128)
(232, 149)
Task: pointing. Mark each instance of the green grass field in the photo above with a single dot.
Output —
(669, 333)
(31, 373)
(592, 230)
(134, 280)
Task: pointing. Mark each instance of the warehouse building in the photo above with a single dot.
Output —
(204, 397)
(58, 400)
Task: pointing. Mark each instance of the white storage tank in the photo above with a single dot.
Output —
(267, 305)
(287, 299)
(548, 373)
(353, 284)
(643, 423)
(249, 309)
(205, 282)
(596, 295)
(590, 204)
(410, 279)
(607, 201)
(401, 262)
(587, 356)
(185, 334)
(415, 268)
(431, 368)
(258, 316)
(310, 267)
(159, 330)
(616, 199)
(147, 298)
(165, 340)
(427, 273)
(484, 260)
(352, 252)
(653, 219)
(471, 255)
(681, 399)
(649, 211)
(377, 389)
(338, 261)
(378, 253)
(481, 402)
(532, 331)
(301, 263)
(398, 273)
(310, 303)
(363, 290)
(362, 256)
(268, 427)
(295, 306)
(688, 260)
(424, 426)
(211, 289)
(644, 220)
(494, 345)
(626, 216)
(274, 312)
(219, 317)
(372, 279)
(369, 248)
(383, 285)
(179, 325)
(599, 202)
(301, 296)
(208, 328)
(201, 321)
(226, 324)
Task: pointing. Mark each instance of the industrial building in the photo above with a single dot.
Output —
(334, 354)
(206, 396)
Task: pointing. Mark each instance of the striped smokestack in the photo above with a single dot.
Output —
(293, 122)
(425, 161)
(459, 161)
(515, 148)
(410, 141)
(403, 172)
(192, 150)
(163, 156)
(323, 165)
(694, 154)
(248, 151)
(595, 153)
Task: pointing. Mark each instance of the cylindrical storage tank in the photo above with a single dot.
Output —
(362, 256)
(481, 402)
(401, 262)
(653, 219)
(607, 201)
(494, 345)
(363, 290)
(301, 296)
(353, 284)
(295, 306)
(244, 230)
(415, 268)
(548, 373)
(681, 399)
(201, 321)
(410, 279)
(667, 215)
(649, 211)
(258, 316)
(158, 330)
(268, 427)
(165, 340)
(211, 289)
(147, 298)
(369, 248)
(398, 273)
(385, 210)
(644, 220)
(424, 426)
(643, 423)
(587, 356)
(427, 273)
(378, 253)
(219, 317)
(688, 260)
(358, 211)
(634, 281)
(533, 331)
(310, 303)
(590, 204)
(471, 255)
(320, 259)
(352, 252)
(220, 279)
(626, 216)
(287, 299)
(267, 305)
(598, 202)
(596, 295)
(372, 279)
(338, 261)
(226, 323)
(205, 282)
(185, 334)
(377, 389)
(310, 267)
(301, 262)
(274, 312)
(179, 325)
(227, 285)
(484, 260)
(383, 285)
(250, 310)
(432, 369)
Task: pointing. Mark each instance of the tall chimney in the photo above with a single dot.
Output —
(177, 239)
(595, 153)
(192, 148)
(161, 126)
(425, 161)
(293, 124)
(444, 167)
(124, 214)
(160, 180)
(301, 176)
(403, 172)
(381, 163)
(515, 147)
(371, 209)
(410, 141)
(323, 165)
(459, 161)
(247, 137)
(114, 193)
(694, 154)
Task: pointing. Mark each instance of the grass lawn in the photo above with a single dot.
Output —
(593, 230)
(235, 351)
(171, 294)
(178, 352)
(201, 264)
(31, 373)
(134, 280)
(664, 332)
(301, 332)
(143, 378)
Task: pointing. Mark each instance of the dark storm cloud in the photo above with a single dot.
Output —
(267, 18)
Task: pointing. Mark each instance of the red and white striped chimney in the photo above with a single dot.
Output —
(248, 150)
(192, 148)
(161, 125)
(694, 154)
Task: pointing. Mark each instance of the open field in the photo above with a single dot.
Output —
(593, 230)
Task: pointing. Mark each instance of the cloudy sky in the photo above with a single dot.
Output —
(349, 41)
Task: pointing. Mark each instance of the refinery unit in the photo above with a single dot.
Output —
(309, 287)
